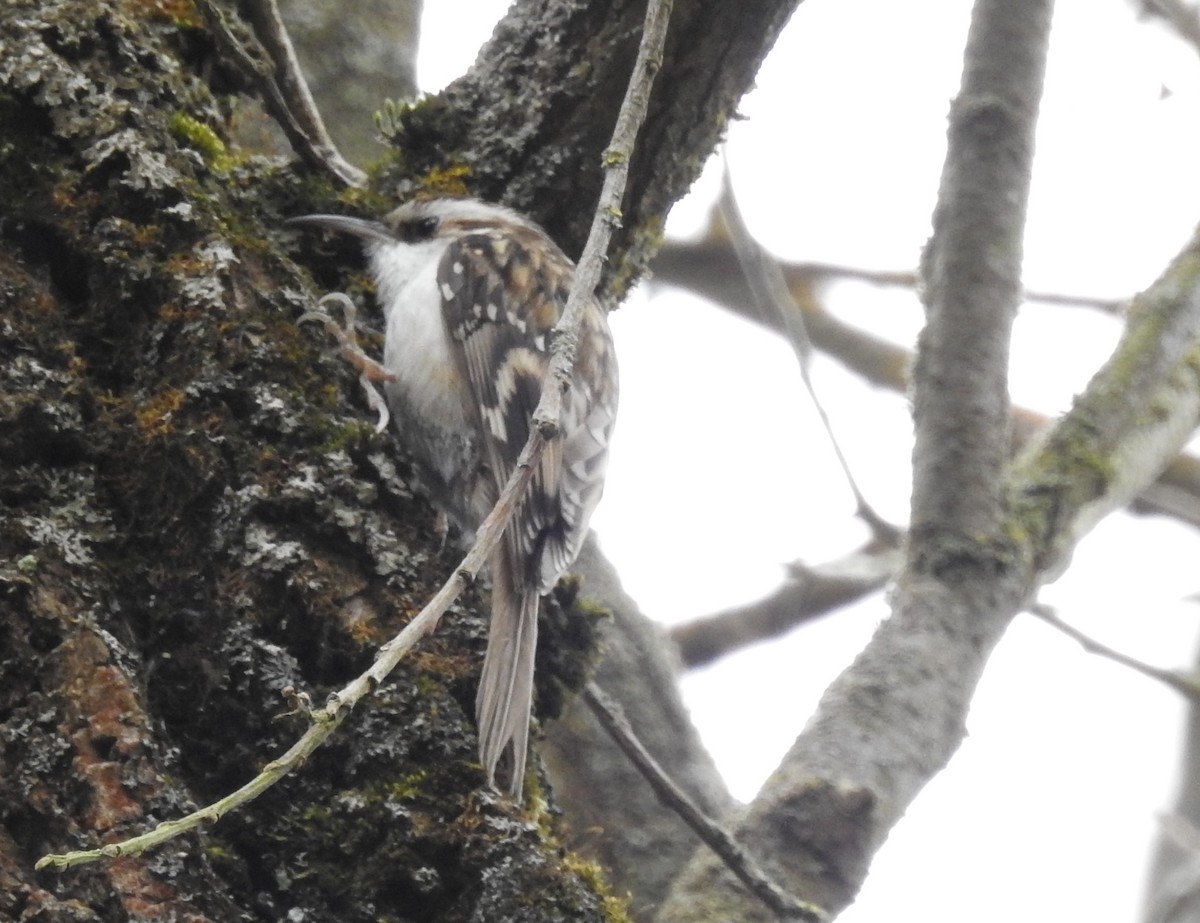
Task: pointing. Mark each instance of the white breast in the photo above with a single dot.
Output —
(430, 399)
(417, 348)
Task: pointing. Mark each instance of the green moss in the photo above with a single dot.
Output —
(1065, 473)
(345, 434)
(423, 135)
(643, 240)
(392, 120)
(409, 786)
(571, 645)
(428, 685)
(367, 201)
(220, 853)
(447, 180)
(199, 137)
(614, 907)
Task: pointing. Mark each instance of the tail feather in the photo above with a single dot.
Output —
(505, 697)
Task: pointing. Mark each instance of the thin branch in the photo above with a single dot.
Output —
(1184, 19)
(326, 720)
(293, 88)
(972, 270)
(607, 216)
(267, 61)
(717, 838)
(1114, 306)
(1184, 685)
(712, 256)
(772, 297)
(808, 593)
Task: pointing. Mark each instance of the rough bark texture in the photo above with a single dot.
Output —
(196, 513)
(972, 270)
(542, 152)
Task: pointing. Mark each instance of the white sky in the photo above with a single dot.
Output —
(1047, 812)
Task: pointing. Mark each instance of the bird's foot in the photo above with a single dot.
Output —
(370, 372)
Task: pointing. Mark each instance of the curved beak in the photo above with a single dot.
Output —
(359, 227)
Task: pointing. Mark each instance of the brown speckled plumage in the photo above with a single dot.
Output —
(471, 293)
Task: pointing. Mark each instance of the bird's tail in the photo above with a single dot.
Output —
(505, 696)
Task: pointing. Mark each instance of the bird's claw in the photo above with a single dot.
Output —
(369, 370)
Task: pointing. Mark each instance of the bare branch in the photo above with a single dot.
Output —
(706, 267)
(607, 216)
(1180, 16)
(808, 593)
(972, 266)
(716, 837)
(772, 298)
(267, 61)
(293, 88)
(710, 269)
(1184, 685)
(611, 814)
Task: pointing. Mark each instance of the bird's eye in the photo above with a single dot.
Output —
(418, 229)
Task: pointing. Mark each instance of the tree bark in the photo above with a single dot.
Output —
(1173, 885)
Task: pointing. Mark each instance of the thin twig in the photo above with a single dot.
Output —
(266, 60)
(324, 721)
(1184, 685)
(546, 419)
(268, 26)
(808, 593)
(712, 251)
(771, 295)
(607, 216)
(1114, 306)
(716, 837)
(1182, 17)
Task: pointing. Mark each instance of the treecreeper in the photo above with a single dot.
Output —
(470, 293)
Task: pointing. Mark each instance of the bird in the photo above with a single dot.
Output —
(470, 293)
